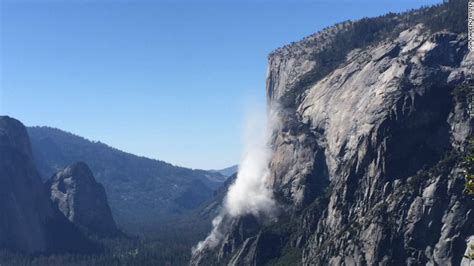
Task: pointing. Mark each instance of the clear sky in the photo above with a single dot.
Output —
(170, 80)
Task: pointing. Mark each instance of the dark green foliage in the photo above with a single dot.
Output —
(449, 160)
(167, 245)
(291, 232)
(450, 16)
(461, 93)
(470, 256)
(358, 35)
(290, 256)
(468, 168)
(283, 249)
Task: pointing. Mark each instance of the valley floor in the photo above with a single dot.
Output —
(168, 244)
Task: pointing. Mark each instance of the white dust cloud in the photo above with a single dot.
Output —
(250, 194)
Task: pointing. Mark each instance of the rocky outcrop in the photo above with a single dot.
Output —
(141, 191)
(401, 112)
(366, 162)
(82, 200)
(28, 221)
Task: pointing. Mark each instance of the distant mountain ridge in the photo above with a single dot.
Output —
(228, 171)
(141, 191)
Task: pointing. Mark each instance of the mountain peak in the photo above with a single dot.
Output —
(29, 221)
(79, 171)
(82, 200)
(14, 135)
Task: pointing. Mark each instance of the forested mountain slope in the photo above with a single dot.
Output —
(141, 191)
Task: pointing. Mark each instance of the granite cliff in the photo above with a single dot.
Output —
(366, 161)
(76, 193)
(29, 222)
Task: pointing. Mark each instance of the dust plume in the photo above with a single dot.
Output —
(250, 194)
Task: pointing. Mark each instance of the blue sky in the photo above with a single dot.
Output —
(170, 80)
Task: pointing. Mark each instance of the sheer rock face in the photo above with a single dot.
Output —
(366, 129)
(82, 200)
(349, 155)
(382, 117)
(28, 221)
(23, 206)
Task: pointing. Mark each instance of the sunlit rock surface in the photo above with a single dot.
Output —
(82, 200)
(363, 164)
